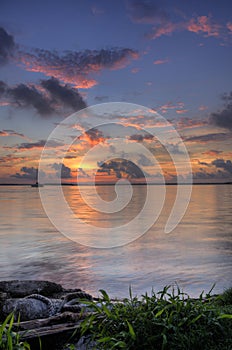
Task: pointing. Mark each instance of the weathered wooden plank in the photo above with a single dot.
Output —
(63, 318)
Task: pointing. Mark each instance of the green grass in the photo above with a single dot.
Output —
(9, 339)
(169, 320)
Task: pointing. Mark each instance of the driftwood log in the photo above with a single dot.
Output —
(50, 332)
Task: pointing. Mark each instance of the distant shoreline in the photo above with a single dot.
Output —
(124, 184)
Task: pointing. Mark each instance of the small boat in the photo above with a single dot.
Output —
(36, 185)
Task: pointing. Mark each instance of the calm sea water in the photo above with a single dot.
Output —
(197, 254)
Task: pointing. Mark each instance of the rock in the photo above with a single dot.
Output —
(36, 306)
(25, 309)
(20, 289)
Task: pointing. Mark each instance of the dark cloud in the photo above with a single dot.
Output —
(208, 137)
(7, 46)
(39, 144)
(204, 175)
(223, 118)
(3, 88)
(121, 168)
(223, 164)
(141, 137)
(28, 96)
(46, 101)
(95, 134)
(29, 173)
(146, 11)
(203, 163)
(62, 170)
(63, 93)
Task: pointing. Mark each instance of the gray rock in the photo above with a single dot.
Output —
(36, 306)
(20, 289)
(26, 309)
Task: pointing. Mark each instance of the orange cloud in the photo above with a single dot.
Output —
(75, 67)
(179, 107)
(188, 123)
(203, 24)
(7, 132)
(229, 26)
(77, 81)
(166, 60)
(181, 111)
(203, 108)
(163, 29)
(212, 153)
(93, 137)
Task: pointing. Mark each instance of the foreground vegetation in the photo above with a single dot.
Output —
(167, 320)
(9, 339)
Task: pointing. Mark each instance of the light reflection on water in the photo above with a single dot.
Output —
(195, 255)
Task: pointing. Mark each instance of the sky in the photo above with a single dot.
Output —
(60, 57)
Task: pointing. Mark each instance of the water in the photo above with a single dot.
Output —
(195, 255)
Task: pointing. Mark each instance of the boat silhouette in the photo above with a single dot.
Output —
(36, 185)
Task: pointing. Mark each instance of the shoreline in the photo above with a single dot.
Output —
(51, 314)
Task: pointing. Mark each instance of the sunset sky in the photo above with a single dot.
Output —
(58, 57)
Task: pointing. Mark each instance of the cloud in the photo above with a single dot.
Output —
(145, 11)
(141, 137)
(63, 93)
(121, 168)
(203, 163)
(3, 87)
(229, 26)
(47, 98)
(162, 29)
(178, 107)
(7, 46)
(62, 170)
(39, 144)
(204, 175)
(203, 108)
(165, 60)
(212, 152)
(75, 67)
(223, 118)
(213, 137)
(93, 136)
(166, 21)
(189, 123)
(181, 111)
(223, 164)
(203, 25)
(6, 132)
(28, 96)
(29, 173)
